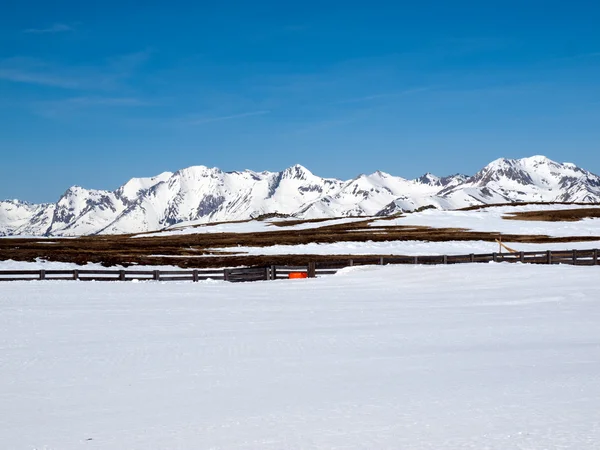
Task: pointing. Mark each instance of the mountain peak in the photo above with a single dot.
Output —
(500, 162)
(380, 174)
(135, 186)
(502, 169)
(428, 179)
(537, 159)
(73, 190)
(297, 172)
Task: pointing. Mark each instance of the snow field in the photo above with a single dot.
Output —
(402, 248)
(492, 356)
(10, 264)
(491, 220)
(252, 226)
(485, 220)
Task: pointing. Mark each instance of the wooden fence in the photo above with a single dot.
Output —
(312, 269)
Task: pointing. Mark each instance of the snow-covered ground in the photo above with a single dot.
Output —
(485, 220)
(404, 248)
(252, 226)
(491, 220)
(489, 356)
(57, 265)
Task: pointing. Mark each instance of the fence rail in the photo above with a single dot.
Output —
(312, 269)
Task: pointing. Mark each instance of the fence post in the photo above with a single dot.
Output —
(471, 257)
(522, 257)
(76, 274)
(42, 274)
(195, 276)
(312, 269)
(351, 263)
(548, 257)
(416, 261)
(445, 259)
(226, 274)
(121, 275)
(495, 257)
(156, 275)
(273, 272)
(574, 257)
(595, 256)
(381, 261)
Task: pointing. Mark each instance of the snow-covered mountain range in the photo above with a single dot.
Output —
(200, 194)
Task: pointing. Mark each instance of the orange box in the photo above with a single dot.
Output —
(298, 275)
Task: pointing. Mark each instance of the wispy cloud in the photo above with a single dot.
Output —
(54, 28)
(204, 120)
(101, 75)
(19, 75)
(579, 56)
(191, 120)
(471, 44)
(64, 107)
(104, 101)
(368, 98)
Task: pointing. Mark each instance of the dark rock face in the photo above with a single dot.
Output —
(388, 210)
(311, 188)
(507, 172)
(209, 204)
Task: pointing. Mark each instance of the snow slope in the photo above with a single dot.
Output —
(367, 195)
(203, 195)
(491, 220)
(534, 179)
(21, 218)
(497, 356)
(210, 195)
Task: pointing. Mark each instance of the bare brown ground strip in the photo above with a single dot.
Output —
(291, 223)
(188, 249)
(560, 215)
(198, 225)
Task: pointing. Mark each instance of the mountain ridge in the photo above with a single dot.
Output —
(203, 194)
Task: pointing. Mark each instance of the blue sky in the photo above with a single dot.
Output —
(94, 93)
